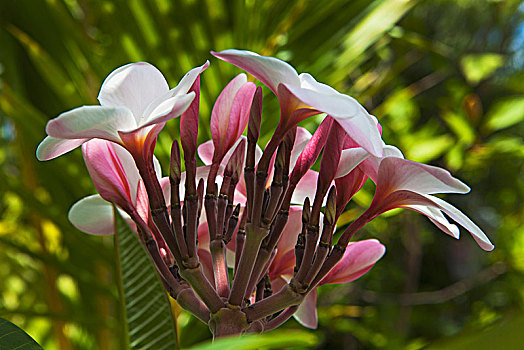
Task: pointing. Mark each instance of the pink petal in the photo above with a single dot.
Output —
(221, 112)
(230, 113)
(290, 233)
(371, 164)
(358, 259)
(92, 122)
(347, 186)
(108, 172)
(189, 123)
(306, 314)
(283, 264)
(142, 201)
(134, 86)
(330, 157)
(239, 115)
(309, 154)
(207, 265)
(94, 215)
(51, 148)
(203, 236)
(205, 152)
(270, 71)
(166, 190)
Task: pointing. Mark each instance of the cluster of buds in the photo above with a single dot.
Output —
(244, 241)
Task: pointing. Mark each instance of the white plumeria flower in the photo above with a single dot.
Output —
(135, 102)
(302, 96)
(403, 183)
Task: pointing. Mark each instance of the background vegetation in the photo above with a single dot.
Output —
(445, 79)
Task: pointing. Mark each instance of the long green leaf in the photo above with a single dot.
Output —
(146, 311)
(12, 337)
(275, 340)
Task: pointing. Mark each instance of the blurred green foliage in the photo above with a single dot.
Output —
(444, 77)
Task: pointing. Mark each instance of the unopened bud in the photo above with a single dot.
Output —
(306, 211)
(281, 156)
(255, 116)
(174, 166)
(331, 207)
(234, 165)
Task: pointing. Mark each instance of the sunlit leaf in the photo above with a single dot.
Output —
(429, 149)
(505, 113)
(480, 66)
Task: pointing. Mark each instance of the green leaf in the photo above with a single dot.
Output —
(12, 337)
(275, 340)
(480, 66)
(429, 149)
(144, 304)
(505, 113)
(381, 16)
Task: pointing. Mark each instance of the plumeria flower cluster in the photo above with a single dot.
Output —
(243, 241)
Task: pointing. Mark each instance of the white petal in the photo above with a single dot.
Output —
(349, 160)
(301, 140)
(51, 148)
(92, 122)
(436, 217)
(158, 167)
(170, 108)
(363, 130)
(94, 215)
(134, 86)
(180, 90)
(403, 174)
(479, 236)
(306, 187)
(308, 82)
(269, 70)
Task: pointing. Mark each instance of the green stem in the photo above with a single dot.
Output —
(254, 237)
(286, 297)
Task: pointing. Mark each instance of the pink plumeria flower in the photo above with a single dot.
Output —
(135, 103)
(358, 259)
(301, 96)
(230, 115)
(116, 178)
(402, 183)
